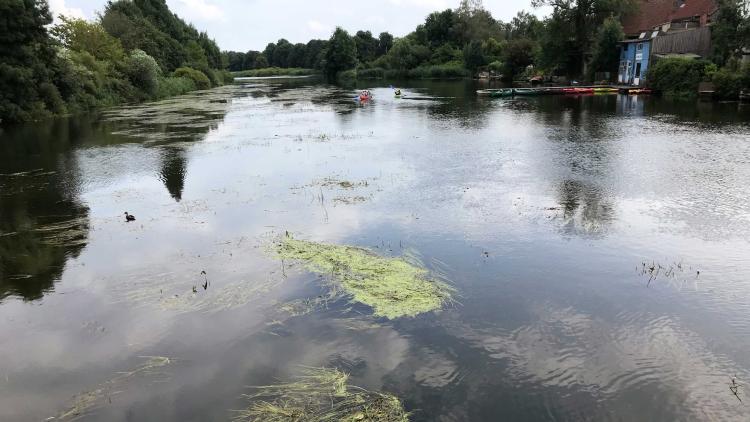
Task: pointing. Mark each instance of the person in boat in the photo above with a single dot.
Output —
(397, 92)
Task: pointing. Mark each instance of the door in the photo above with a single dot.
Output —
(637, 75)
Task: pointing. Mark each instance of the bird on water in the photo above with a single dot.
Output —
(129, 217)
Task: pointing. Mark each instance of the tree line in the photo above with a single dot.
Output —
(135, 50)
(580, 37)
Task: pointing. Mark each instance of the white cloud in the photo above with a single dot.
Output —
(58, 7)
(201, 10)
(318, 27)
(427, 4)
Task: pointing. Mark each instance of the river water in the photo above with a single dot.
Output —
(545, 214)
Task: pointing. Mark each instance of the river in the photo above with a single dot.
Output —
(598, 248)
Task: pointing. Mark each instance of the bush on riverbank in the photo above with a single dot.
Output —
(274, 71)
(729, 81)
(677, 77)
(78, 65)
(199, 78)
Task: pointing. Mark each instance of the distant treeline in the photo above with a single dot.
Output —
(136, 50)
(578, 35)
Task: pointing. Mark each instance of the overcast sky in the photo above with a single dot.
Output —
(243, 25)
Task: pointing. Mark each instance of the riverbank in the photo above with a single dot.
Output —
(275, 71)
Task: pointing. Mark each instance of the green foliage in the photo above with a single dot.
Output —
(27, 58)
(677, 77)
(439, 71)
(385, 42)
(407, 54)
(199, 78)
(143, 72)
(728, 83)
(367, 46)
(439, 29)
(726, 31)
(518, 55)
(275, 71)
(371, 73)
(496, 66)
(173, 86)
(606, 54)
(341, 54)
(473, 55)
(80, 35)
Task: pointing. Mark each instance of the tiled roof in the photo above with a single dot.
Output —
(652, 13)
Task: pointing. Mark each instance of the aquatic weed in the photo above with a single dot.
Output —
(321, 395)
(392, 287)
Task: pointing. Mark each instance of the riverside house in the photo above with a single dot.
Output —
(664, 28)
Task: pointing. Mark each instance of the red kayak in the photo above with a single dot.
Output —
(578, 91)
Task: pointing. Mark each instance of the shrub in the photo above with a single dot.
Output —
(199, 78)
(727, 84)
(173, 86)
(442, 71)
(373, 73)
(275, 71)
(677, 77)
(143, 72)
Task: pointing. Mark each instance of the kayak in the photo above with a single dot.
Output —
(605, 90)
(578, 91)
(365, 97)
(526, 91)
(639, 91)
(496, 93)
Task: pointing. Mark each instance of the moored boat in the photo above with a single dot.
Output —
(496, 93)
(526, 91)
(578, 91)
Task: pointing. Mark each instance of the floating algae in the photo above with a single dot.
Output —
(392, 287)
(172, 292)
(85, 402)
(321, 395)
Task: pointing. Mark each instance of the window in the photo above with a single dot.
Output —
(637, 70)
(639, 47)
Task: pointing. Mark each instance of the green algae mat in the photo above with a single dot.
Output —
(321, 395)
(392, 287)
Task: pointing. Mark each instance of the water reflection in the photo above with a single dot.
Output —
(537, 210)
(173, 170)
(42, 222)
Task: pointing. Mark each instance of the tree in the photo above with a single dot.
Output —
(315, 54)
(341, 54)
(518, 55)
(27, 60)
(385, 42)
(606, 54)
(439, 27)
(726, 31)
(367, 46)
(407, 54)
(572, 24)
(473, 56)
(81, 35)
(525, 25)
(281, 53)
(474, 22)
(268, 53)
(143, 72)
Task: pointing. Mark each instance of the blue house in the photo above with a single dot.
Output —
(634, 60)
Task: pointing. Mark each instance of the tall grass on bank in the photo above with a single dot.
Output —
(275, 71)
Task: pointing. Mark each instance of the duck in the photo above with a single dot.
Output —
(129, 217)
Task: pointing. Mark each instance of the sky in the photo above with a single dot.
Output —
(242, 25)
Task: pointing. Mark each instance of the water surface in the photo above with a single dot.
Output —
(545, 214)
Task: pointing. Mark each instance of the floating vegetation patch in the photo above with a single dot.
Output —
(349, 200)
(187, 116)
(321, 395)
(85, 402)
(177, 294)
(73, 232)
(392, 287)
(676, 273)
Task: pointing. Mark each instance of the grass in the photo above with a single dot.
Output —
(392, 287)
(321, 395)
(275, 71)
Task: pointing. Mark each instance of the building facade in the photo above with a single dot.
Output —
(634, 60)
